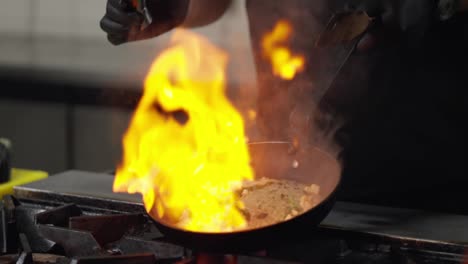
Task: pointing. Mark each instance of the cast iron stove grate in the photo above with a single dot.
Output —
(67, 234)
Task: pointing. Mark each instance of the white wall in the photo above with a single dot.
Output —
(65, 34)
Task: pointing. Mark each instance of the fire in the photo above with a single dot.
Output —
(283, 62)
(185, 150)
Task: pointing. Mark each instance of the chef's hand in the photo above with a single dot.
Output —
(408, 18)
(123, 24)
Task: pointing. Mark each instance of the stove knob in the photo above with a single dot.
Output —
(5, 167)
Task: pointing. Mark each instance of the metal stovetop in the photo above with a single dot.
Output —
(396, 226)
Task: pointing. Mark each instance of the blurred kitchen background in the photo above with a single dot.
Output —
(67, 94)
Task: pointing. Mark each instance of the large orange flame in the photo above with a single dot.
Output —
(185, 150)
(283, 62)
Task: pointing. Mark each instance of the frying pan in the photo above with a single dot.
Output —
(268, 159)
(282, 160)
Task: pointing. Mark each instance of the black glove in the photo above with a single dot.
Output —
(123, 24)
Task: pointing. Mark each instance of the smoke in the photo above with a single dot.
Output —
(325, 125)
(277, 98)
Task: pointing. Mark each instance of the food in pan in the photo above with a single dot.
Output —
(269, 201)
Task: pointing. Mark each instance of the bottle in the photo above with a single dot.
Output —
(5, 162)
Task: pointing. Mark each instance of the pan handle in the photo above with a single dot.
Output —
(338, 41)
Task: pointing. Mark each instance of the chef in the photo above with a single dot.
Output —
(403, 93)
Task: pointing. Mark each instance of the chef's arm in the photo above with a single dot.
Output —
(204, 12)
(123, 24)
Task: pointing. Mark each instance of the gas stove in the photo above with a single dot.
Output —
(74, 217)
